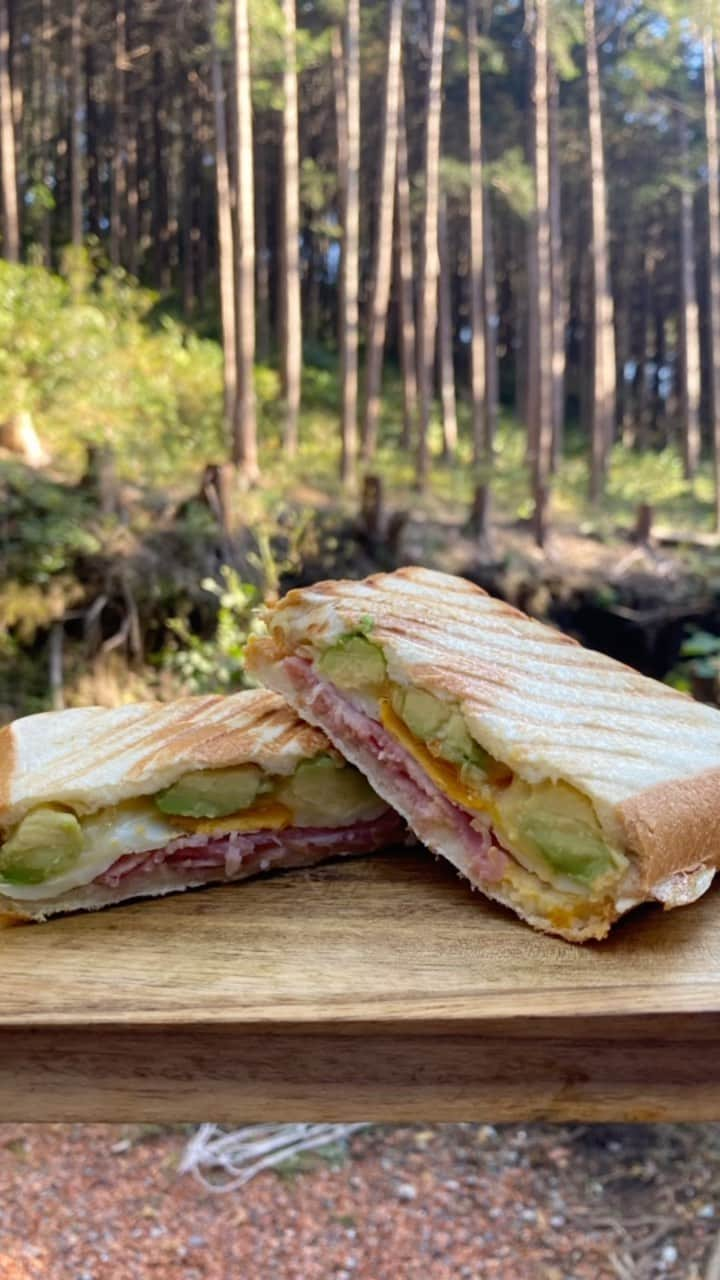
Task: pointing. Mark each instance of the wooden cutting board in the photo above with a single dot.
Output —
(378, 989)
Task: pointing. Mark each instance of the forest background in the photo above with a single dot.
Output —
(293, 289)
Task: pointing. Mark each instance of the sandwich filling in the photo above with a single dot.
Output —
(539, 844)
(231, 821)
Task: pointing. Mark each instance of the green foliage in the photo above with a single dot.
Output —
(512, 177)
(205, 666)
(81, 355)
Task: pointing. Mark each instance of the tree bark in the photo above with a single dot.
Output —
(118, 176)
(244, 453)
(382, 258)
(604, 374)
(160, 197)
(427, 319)
(341, 109)
(559, 296)
(492, 380)
(262, 258)
(11, 220)
(689, 318)
(714, 262)
(92, 149)
(541, 303)
(350, 254)
(480, 431)
(291, 316)
(446, 369)
(188, 196)
(406, 301)
(224, 231)
(132, 228)
(77, 176)
(44, 163)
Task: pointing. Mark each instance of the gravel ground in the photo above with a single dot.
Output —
(443, 1202)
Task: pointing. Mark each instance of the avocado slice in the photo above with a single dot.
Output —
(45, 844)
(569, 846)
(326, 792)
(444, 726)
(353, 663)
(213, 793)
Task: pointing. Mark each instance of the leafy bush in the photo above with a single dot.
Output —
(206, 666)
(80, 354)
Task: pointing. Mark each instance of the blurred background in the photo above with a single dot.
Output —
(297, 290)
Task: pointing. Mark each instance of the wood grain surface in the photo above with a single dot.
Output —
(379, 988)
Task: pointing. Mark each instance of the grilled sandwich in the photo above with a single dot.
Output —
(98, 806)
(558, 781)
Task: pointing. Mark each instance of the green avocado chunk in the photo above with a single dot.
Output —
(47, 843)
(325, 792)
(433, 720)
(569, 846)
(354, 662)
(213, 793)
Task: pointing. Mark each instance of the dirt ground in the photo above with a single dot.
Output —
(442, 1202)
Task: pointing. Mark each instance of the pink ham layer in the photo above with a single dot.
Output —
(256, 851)
(412, 790)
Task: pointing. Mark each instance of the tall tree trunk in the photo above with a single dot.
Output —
(446, 369)
(118, 177)
(603, 418)
(351, 245)
(406, 302)
(76, 132)
(714, 238)
(262, 256)
(427, 318)
(160, 196)
(11, 221)
(224, 231)
(689, 319)
(559, 296)
(245, 425)
(382, 260)
(93, 141)
(187, 197)
(341, 108)
(541, 302)
(480, 432)
(492, 380)
(131, 185)
(44, 162)
(291, 316)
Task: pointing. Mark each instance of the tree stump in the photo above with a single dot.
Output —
(372, 510)
(642, 531)
(100, 479)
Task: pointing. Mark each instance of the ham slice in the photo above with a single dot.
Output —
(244, 854)
(410, 788)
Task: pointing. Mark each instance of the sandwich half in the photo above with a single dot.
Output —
(560, 782)
(98, 806)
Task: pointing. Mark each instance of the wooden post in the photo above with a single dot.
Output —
(372, 509)
(642, 532)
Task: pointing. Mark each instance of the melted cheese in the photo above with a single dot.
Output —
(267, 815)
(444, 774)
